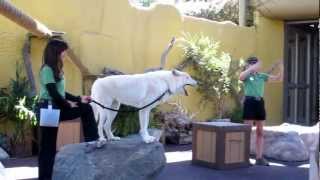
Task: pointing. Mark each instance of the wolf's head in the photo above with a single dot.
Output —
(178, 81)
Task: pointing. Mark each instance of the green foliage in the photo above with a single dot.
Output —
(127, 123)
(25, 109)
(229, 12)
(215, 71)
(146, 3)
(236, 115)
(16, 106)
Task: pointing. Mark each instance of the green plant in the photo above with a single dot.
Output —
(229, 12)
(236, 115)
(127, 123)
(146, 3)
(16, 106)
(215, 71)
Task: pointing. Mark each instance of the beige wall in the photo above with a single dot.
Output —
(270, 42)
(112, 33)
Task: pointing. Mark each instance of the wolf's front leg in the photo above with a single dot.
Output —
(144, 123)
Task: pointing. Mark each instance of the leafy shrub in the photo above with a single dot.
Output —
(127, 123)
(216, 72)
(16, 107)
(146, 3)
(229, 12)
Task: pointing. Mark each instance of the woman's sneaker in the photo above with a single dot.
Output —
(262, 162)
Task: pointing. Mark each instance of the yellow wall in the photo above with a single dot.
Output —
(112, 33)
(270, 42)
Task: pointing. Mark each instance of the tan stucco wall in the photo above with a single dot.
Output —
(112, 33)
(270, 42)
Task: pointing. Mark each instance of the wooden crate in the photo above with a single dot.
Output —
(70, 132)
(221, 145)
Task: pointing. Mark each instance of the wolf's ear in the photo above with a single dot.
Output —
(175, 72)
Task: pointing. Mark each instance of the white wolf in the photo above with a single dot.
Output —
(135, 90)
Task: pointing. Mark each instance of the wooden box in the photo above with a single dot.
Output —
(221, 145)
(69, 132)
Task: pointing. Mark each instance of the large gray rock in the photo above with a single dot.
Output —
(288, 142)
(127, 159)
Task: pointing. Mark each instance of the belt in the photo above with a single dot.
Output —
(257, 98)
(44, 100)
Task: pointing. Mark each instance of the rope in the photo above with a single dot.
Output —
(136, 109)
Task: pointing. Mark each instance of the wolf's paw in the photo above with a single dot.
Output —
(101, 142)
(148, 139)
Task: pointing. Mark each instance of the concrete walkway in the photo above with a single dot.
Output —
(186, 171)
(179, 167)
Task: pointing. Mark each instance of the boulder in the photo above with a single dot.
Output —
(127, 159)
(287, 142)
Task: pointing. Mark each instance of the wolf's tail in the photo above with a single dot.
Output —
(95, 111)
(94, 96)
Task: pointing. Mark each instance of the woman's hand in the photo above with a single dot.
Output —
(278, 77)
(73, 104)
(85, 99)
(255, 67)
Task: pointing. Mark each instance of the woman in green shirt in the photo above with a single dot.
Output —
(52, 90)
(253, 107)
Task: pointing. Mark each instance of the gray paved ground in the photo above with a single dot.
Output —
(184, 170)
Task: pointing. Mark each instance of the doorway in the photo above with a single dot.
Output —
(301, 76)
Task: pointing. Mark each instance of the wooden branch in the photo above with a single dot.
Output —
(166, 52)
(27, 63)
(16, 15)
(164, 56)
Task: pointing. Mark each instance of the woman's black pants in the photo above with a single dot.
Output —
(48, 135)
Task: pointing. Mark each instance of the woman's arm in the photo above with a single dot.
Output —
(73, 98)
(57, 98)
(278, 77)
(247, 72)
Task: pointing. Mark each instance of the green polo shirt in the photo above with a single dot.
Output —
(254, 84)
(46, 77)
